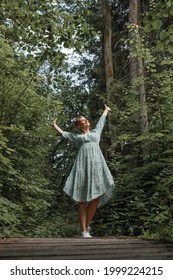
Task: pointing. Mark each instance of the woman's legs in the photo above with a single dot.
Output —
(91, 209)
(82, 215)
(85, 214)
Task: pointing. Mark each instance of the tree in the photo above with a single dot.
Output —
(107, 47)
(137, 70)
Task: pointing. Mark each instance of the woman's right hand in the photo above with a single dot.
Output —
(54, 122)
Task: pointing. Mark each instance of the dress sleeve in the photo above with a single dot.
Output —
(100, 124)
(70, 136)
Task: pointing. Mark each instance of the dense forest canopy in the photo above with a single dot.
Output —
(64, 58)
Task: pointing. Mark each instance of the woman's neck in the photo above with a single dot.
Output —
(85, 130)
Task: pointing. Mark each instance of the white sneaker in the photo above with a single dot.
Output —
(88, 229)
(86, 234)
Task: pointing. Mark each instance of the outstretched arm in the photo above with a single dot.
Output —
(106, 110)
(57, 128)
(101, 122)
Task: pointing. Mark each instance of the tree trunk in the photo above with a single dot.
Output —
(108, 60)
(108, 46)
(137, 70)
(134, 9)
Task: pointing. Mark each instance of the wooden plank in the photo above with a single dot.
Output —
(103, 256)
(75, 241)
(68, 246)
(77, 248)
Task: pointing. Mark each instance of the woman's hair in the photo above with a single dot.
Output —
(77, 120)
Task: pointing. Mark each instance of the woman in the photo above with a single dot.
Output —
(90, 182)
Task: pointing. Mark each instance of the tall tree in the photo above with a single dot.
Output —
(108, 54)
(137, 69)
(107, 47)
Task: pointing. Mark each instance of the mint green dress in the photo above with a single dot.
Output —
(90, 176)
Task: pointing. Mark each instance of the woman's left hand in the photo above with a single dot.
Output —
(107, 108)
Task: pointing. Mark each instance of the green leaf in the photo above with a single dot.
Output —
(167, 160)
(171, 38)
(165, 14)
(169, 3)
(167, 152)
(148, 27)
(170, 180)
(170, 28)
(163, 35)
(157, 24)
(171, 11)
(170, 48)
(160, 46)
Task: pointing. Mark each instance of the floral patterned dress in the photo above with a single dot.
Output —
(90, 176)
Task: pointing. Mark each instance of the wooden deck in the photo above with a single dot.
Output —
(84, 249)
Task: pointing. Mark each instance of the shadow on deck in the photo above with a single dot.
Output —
(84, 249)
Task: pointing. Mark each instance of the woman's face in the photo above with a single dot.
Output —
(84, 123)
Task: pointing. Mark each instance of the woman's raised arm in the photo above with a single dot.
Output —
(57, 128)
(106, 110)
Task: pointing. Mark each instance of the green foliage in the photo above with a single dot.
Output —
(37, 84)
(25, 147)
(9, 218)
(157, 20)
(55, 226)
(142, 203)
(33, 90)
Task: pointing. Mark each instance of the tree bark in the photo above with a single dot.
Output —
(108, 59)
(137, 70)
(133, 19)
(109, 73)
